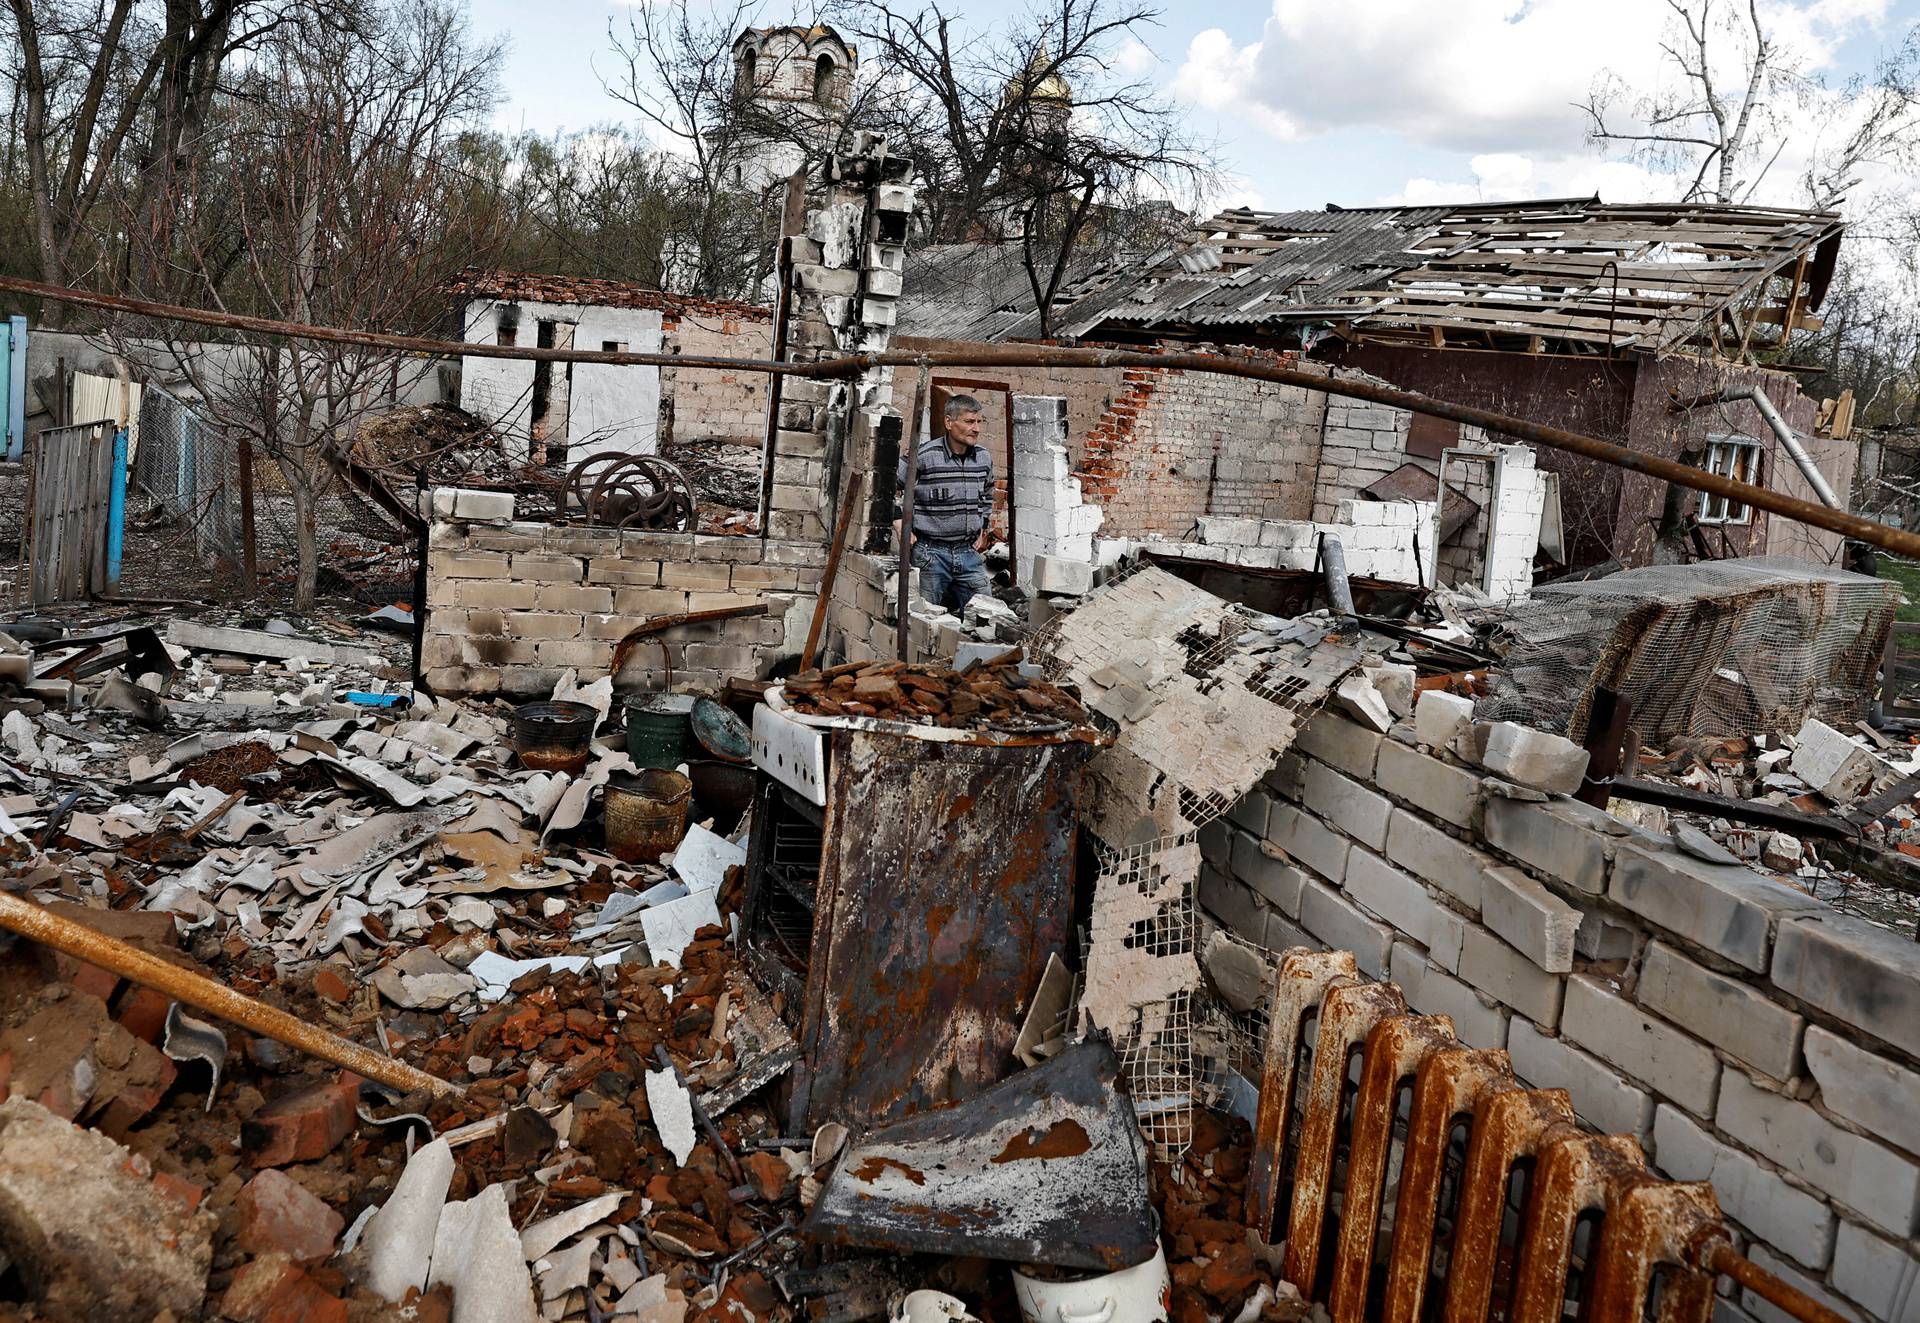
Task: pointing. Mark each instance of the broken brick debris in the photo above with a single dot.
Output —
(278, 1213)
(985, 695)
(85, 1226)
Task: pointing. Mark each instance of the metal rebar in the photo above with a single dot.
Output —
(1782, 1295)
(910, 450)
(1900, 541)
(83, 943)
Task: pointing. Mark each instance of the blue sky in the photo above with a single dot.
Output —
(1356, 102)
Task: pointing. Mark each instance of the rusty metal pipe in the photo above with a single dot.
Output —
(910, 449)
(856, 483)
(1782, 1295)
(1895, 540)
(183, 985)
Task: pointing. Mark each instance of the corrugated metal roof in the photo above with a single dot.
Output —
(1560, 269)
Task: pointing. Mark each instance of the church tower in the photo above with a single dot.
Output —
(796, 84)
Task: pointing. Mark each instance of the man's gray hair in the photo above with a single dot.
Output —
(959, 404)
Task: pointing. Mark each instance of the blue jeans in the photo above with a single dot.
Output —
(949, 576)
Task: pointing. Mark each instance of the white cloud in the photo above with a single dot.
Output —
(1467, 75)
(1219, 76)
(1134, 58)
(1498, 82)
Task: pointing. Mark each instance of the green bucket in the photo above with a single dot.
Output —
(659, 729)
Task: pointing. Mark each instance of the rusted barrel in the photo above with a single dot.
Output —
(553, 737)
(646, 814)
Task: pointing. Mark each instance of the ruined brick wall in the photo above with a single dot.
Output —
(862, 615)
(1175, 446)
(1089, 393)
(1681, 435)
(1743, 1032)
(511, 606)
(703, 404)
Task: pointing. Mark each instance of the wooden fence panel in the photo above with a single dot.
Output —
(72, 488)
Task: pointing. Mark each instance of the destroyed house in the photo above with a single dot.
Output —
(560, 413)
(1569, 312)
(704, 928)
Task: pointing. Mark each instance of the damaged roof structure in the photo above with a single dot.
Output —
(1565, 274)
(701, 927)
(1575, 313)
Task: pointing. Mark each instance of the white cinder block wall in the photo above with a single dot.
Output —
(609, 408)
(1745, 1033)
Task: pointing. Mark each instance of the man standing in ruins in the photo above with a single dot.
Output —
(952, 508)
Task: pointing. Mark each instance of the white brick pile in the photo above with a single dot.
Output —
(1742, 1031)
(1054, 517)
(862, 619)
(1381, 539)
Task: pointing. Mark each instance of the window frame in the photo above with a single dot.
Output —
(1737, 457)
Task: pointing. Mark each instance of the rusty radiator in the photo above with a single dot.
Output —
(1413, 1177)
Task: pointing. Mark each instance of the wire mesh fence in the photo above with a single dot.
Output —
(213, 507)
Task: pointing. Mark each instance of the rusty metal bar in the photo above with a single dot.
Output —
(1395, 1050)
(856, 482)
(660, 624)
(1348, 1014)
(910, 451)
(1508, 1126)
(1571, 1177)
(1782, 1295)
(1896, 540)
(1301, 981)
(183, 985)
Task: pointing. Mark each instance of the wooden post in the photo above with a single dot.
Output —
(249, 547)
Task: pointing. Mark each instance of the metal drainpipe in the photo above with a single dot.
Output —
(1789, 441)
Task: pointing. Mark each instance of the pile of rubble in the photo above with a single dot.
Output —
(601, 1141)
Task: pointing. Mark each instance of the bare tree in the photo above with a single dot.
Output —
(678, 72)
(1030, 134)
(597, 203)
(1737, 99)
(110, 96)
(336, 189)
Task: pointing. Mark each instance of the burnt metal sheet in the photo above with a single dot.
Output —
(763, 1048)
(945, 883)
(1045, 1167)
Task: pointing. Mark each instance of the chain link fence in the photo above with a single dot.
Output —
(209, 508)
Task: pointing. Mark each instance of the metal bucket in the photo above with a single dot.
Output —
(658, 729)
(724, 790)
(1140, 1294)
(554, 737)
(646, 814)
